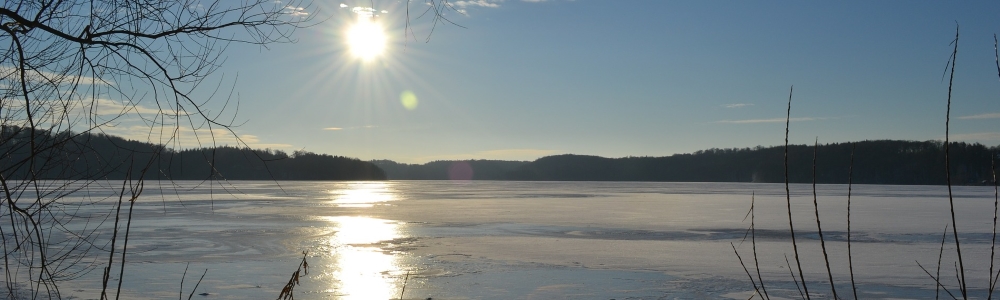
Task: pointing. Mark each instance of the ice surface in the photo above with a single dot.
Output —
(538, 240)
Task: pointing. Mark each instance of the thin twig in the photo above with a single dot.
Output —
(939, 285)
(745, 269)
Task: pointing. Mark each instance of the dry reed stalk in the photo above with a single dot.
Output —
(937, 288)
(956, 273)
(996, 205)
(788, 196)
(403, 290)
(996, 195)
(850, 258)
(180, 294)
(801, 295)
(197, 284)
(752, 233)
(114, 237)
(136, 190)
(289, 288)
(947, 171)
(753, 242)
(819, 228)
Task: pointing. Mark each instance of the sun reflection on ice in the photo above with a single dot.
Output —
(363, 194)
(362, 270)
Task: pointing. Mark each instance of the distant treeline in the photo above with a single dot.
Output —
(446, 170)
(875, 162)
(67, 155)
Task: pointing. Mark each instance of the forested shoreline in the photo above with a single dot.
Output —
(104, 156)
(100, 156)
(875, 162)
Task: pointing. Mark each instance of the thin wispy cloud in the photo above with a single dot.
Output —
(737, 105)
(364, 11)
(186, 138)
(103, 109)
(296, 11)
(774, 120)
(981, 116)
(111, 107)
(349, 128)
(49, 77)
(479, 3)
(462, 5)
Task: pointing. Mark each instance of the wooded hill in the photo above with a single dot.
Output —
(875, 162)
(97, 156)
(77, 156)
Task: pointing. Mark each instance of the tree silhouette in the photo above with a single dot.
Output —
(73, 70)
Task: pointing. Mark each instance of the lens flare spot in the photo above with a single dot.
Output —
(408, 99)
(460, 171)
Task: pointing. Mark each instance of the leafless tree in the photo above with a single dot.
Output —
(73, 68)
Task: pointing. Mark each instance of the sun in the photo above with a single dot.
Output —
(366, 39)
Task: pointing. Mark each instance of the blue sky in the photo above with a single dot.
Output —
(525, 79)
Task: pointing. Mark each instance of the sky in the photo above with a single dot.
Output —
(519, 80)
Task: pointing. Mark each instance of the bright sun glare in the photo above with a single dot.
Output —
(366, 38)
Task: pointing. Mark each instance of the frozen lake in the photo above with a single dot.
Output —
(538, 240)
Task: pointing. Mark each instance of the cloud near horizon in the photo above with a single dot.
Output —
(112, 107)
(497, 154)
(774, 120)
(981, 116)
(976, 136)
